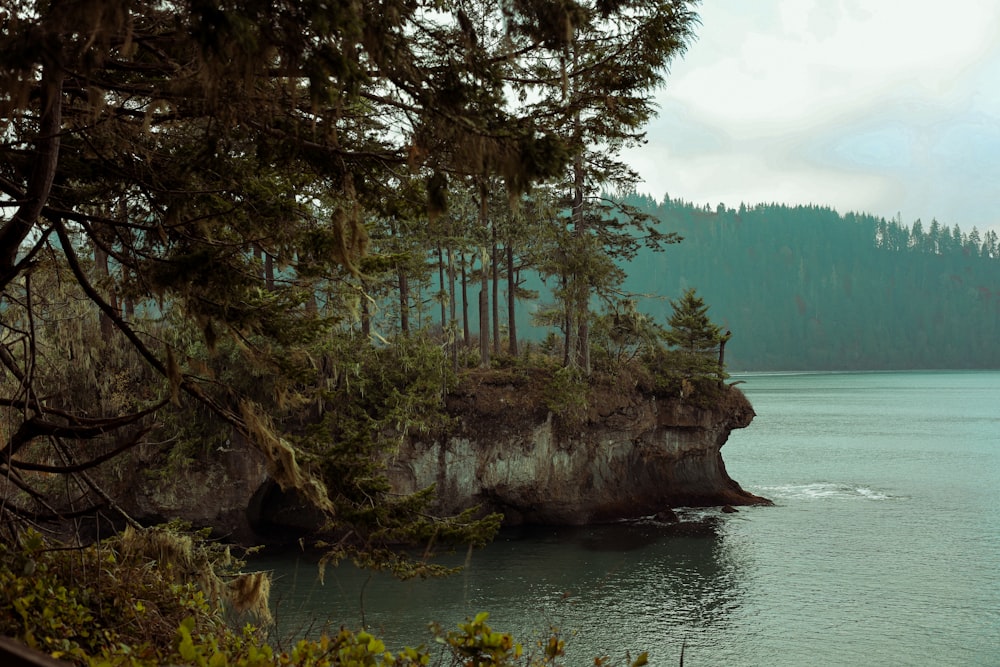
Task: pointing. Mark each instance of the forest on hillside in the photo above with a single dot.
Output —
(806, 288)
(800, 287)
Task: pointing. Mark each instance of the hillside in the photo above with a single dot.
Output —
(808, 288)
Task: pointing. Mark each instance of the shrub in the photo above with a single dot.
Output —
(112, 605)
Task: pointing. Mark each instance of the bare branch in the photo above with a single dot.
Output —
(42, 175)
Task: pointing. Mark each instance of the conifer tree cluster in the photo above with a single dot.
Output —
(223, 209)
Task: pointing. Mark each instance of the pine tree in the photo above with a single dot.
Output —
(600, 89)
(694, 336)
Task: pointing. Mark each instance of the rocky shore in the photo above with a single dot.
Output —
(631, 454)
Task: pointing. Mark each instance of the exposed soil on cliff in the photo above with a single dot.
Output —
(502, 394)
(527, 395)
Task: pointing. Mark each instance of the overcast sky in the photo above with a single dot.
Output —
(878, 106)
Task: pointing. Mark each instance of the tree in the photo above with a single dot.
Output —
(227, 135)
(694, 336)
(600, 87)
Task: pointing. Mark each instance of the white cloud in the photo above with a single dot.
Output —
(877, 105)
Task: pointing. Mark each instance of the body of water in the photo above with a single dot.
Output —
(883, 546)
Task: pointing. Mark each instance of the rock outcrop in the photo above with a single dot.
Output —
(629, 454)
(632, 455)
(215, 492)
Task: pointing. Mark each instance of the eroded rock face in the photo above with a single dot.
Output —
(631, 455)
(215, 493)
(635, 455)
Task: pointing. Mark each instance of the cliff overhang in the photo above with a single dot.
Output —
(630, 453)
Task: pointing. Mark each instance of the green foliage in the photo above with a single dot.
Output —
(565, 395)
(108, 606)
(695, 337)
(239, 202)
(476, 644)
(80, 603)
(806, 287)
(690, 329)
(680, 361)
(670, 373)
(622, 336)
(367, 410)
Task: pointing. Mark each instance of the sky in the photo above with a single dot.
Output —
(889, 107)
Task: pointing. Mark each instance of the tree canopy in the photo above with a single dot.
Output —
(191, 189)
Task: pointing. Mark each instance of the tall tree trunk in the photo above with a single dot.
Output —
(511, 302)
(442, 292)
(268, 271)
(569, 323)
(404, 302)
(484, 315)
(453, 322)
(581, 287)
(43, 172)
(580, 283)
(465, 304)
(494, 269)
(484, 285)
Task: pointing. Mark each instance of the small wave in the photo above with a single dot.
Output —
(821, 490)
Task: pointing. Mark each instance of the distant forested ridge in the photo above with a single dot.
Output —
(807, 288)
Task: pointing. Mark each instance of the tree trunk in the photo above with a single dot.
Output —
(511, 302)
(404, 302)
(569, 323)
(484, 316)
(494, 266)
(268, 271)
(580, 284)
(580, 287)
(465, 304)
(442, 292)
(484, 286)
(45, 158)
(453, 322)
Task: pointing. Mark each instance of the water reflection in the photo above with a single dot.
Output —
(634, 586)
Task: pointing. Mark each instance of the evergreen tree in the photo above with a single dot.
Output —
(600, 88)
(694, 336)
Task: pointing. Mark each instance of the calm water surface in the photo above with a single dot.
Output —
(883, 546)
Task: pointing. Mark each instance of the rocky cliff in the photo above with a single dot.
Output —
(631, 454)
(218, 490)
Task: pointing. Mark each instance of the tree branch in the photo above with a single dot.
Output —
(78, 467)
(42, 175)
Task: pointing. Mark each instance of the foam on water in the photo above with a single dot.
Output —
(823, 490)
